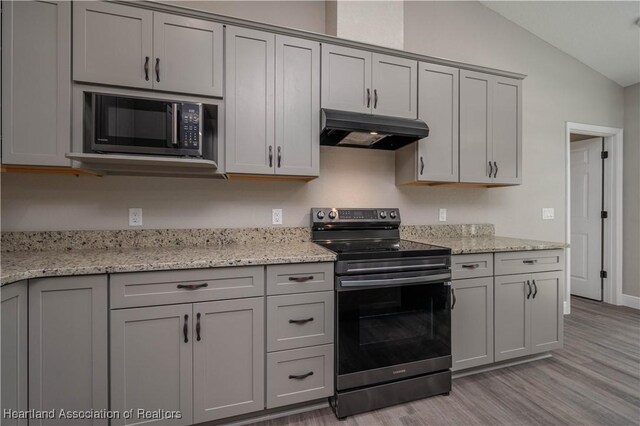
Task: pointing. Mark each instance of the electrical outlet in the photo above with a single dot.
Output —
(135, 217)
(548, 213)
(276, 217)
(442, 215)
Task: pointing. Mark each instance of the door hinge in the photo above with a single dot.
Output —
(604, 154)
(604, 214)
(603, 274)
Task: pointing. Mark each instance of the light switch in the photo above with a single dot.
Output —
(548, 213)
(442, 215)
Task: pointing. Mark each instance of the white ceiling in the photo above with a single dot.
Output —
(601, 34)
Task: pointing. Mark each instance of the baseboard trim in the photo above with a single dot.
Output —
(566, 308)
(498, 365)
(272, 414)
(630, 301)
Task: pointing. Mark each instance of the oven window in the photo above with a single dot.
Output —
(395, 325)
(132, 122)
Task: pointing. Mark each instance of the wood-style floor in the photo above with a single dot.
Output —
(593, 380)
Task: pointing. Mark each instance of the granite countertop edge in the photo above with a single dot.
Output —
(492, 244)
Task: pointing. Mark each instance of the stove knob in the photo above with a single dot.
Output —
(320, 215)
(392, 214)
(383, 214)
(332, 214)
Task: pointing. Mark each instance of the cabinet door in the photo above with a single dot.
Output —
(189, 55)
(36, 83)
(512, 323)
(151, 362)
(68, 346)
(346, 79)
(395, 86)
(546, 311)
(112, 44)
(507, 130)
(472, 323)
(297, 107)
(228, 358)
(438, 101)
(250, 82)
(13, 344)
(475, 127)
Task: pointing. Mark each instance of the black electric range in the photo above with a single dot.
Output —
(393, 310)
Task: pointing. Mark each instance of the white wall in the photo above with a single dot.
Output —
(558, 89)
(631, 192)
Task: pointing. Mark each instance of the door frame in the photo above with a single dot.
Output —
(612, 292)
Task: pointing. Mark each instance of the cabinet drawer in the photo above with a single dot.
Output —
(195, 285)
(472, 266)
(299, 278)
(299, 320)
(522, 262)
(299, 375)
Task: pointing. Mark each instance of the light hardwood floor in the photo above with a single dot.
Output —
(593, 380)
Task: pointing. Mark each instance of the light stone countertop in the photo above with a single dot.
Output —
(21, 265)
(488, 244)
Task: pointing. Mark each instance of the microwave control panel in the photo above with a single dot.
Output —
(191, 125)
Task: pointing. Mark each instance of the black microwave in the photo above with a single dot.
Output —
(122, 124)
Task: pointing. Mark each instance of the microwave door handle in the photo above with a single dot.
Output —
(422, 279)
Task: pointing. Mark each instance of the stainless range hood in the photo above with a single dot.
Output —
(352, 129)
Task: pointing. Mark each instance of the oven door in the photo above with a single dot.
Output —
(392, 326)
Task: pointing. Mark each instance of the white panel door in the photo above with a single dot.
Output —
(586, 198)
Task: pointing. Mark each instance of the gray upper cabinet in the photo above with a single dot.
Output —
(68, 346)
(546, 311)
(249, 93)
(36, 82)
(395, 86)
(490, 129)
(346, 79)
(512, 312)
(297, 113)
(472, 323)
(151, 362)
(13, 345)
(434, 158)
(228, 358)
(112, 44)
(189, 55)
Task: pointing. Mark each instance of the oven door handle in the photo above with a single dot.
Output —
(174, 125)
(404, 267)
(382, 282)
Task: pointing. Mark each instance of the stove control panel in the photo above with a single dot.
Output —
(325, 216)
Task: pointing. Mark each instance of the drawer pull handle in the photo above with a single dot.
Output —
(198, 327)
(530, 261)
(301, 279)
(301, 376)
(301, 321)
(192, 286)
(471, 266)
(185, 328)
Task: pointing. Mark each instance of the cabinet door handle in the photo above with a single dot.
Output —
(495, 165)
(529, 292)
(421, 165)
(270, 156)
(198, 327)
(146, 68)
(185, 328)
(453, 296)
(375, 98)
(279, 157)
(301, 279)
(368, 97)
(490, 169)
(300, 321)
(158, 70)
(192, 286)
(535, 289)
(471, 266)
(530, 261)
(301, 376)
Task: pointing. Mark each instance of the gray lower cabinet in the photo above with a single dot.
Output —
(36, 65)
(13, 346)
(151, 362)
(528, 314)
(472, 323)
(68, 342)
(228, 358)
(434, 158)
(395, 86)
